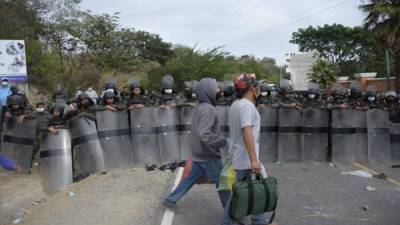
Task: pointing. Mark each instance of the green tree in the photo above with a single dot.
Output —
(191, 64)
(383, 19)
(323, 73)
(351, 48)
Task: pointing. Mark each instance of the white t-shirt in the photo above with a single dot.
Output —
(243, 113)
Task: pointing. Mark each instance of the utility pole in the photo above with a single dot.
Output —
(387, 64)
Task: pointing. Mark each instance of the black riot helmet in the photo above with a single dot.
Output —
(264, 89)
(59, 108)
(312, 90)
(167, 82)
(355, 89)
(337, 90)
(109, 94)
(285, 86)
(135, 84)
(110, 85)
(390, 95)
(15, 100)
(83, 96)
(372, 91)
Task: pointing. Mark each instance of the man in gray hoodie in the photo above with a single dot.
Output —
(205, 143)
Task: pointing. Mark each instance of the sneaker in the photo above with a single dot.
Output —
(169, 204)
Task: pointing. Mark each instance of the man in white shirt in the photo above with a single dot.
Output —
(244, 121)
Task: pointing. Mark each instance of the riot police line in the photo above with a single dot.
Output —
(153, 135)
(93, 138)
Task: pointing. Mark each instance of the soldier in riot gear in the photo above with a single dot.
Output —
(229, 93)
(16, 107)
(110, 102)
(336, 98)
(220, 98)
(57, 119)
(187, 97)
(312, 96)
(15, 91)
(167, 98)
(137, 98)
(110, 87)
(287, 98)
(59, 94)
(85, 107)
(392, 106)
(356, 100)
(263, 100)
(372, 101)
(42, 117)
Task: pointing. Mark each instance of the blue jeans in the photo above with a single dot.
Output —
(258, 219)
(211, 168)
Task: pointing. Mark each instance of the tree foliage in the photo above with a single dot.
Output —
(71, 47)
(351, 48)
(323, 73)
(383, 19)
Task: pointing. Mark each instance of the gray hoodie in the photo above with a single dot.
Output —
(205, 142)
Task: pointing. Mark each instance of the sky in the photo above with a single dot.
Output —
(262, 28)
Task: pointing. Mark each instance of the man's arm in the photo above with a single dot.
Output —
(207, 137)
(248, 140)
(246, 124)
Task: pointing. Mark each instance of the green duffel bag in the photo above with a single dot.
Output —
(254, 196)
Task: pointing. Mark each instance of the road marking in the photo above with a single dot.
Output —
(391, 180)
(169, 214)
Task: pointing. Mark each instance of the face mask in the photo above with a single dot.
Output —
(4, 83)
(193, 95)
(90, 89)
(371, 98)
(40, 109)
(311, 96)
(168, 91)
(274, 93)
(264, 94)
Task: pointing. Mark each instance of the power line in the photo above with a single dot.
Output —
(296, 15)
(230, 22)
(287, 24)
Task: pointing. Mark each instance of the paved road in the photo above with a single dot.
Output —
(310, 194)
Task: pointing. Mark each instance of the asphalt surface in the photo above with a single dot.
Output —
(310, 194)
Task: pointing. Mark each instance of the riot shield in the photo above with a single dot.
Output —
(185, 131)
(223, 120)
(115, 138)
(269, 135)
(289, 136)
(87, 151)
(17, 141)
(168, 134)
(395, 141)
(144, 136)
(56, 161)
(378, 137)
(315, 134)
(349, 136)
